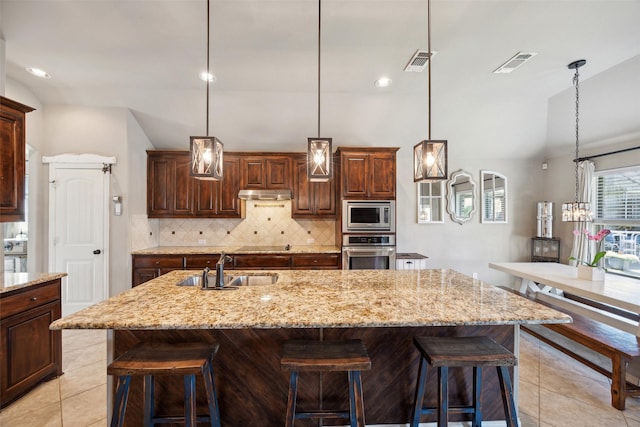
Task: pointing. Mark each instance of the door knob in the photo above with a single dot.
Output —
(97, 252)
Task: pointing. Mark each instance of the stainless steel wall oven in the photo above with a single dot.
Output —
(368, 252)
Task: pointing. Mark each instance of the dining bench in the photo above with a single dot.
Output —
(617, 345)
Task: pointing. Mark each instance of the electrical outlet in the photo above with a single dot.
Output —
(202, 241)
(474, 275)
(311, 241)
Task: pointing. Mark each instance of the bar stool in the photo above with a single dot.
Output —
(326, 356)
(149, 359)
(445, 352)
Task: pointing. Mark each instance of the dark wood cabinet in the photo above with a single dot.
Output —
(265, 172)
(173, 193)
(147, 267)
(261, 261)
(367, 172)
(315, 261)
(311, 199)
(12, 159)
(29, 352)
(219, 199)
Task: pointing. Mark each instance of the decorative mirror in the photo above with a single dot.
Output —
(430, 202)
(493, 190)
(461, 196)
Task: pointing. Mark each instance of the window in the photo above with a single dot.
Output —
(617, 208)
(430, 202)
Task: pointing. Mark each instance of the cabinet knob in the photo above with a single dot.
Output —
(409, 262)
(33, 299)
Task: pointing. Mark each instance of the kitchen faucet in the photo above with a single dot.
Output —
(220, 269)
(219, 272)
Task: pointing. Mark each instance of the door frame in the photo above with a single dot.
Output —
(81, 161)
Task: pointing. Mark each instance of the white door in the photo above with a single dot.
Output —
(78, 221)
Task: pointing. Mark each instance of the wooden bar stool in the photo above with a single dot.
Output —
(149, 359)
(445, 352)
(325, 356)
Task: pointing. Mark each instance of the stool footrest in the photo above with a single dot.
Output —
(179, 419)
(452, 410)
(322, 414)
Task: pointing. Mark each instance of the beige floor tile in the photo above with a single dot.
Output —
(560, 410)
(20, 414)
(86, 408)
(101, 423)
(92, 353)
(529, 401)
(74, 339)
(83, 378)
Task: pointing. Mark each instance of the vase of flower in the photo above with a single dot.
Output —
(586, 272)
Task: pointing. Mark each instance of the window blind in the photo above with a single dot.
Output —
(618, 196)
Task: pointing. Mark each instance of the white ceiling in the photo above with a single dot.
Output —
(145, 55)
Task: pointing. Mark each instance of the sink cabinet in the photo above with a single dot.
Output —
(147, 267)
(12, 159)
(29, 352)
(367, 172)
(311, 199)
(173, 193)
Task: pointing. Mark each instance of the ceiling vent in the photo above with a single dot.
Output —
(419, 61)
(515, 62)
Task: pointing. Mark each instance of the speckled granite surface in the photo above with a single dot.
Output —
(313, 299)
(196, 250)
(13, 281)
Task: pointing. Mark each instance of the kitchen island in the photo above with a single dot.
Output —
(383, 308)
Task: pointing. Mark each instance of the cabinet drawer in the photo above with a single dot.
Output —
(262, 261)
(175, 261)
(30, 298)
(201, 261)
(411, 264)
(316, 261)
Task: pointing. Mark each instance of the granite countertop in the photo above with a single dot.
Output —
(315, 299)
(246, 249)
(14, 281)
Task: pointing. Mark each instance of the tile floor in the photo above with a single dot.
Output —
(555, 391)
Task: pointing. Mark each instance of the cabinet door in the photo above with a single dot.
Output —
(228, 202)
(253, 172)
(169, 186)
(30, 352)
(355, 175)
(147, 267)
(278, 173)
(382, 168)
(12, 159)
(316, 261)
(302, 204)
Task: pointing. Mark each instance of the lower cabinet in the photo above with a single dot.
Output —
(29, 352)
(147, 267)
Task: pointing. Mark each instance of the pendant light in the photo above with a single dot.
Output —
(206, 151)
(429, 156)
(319, 155)
(577, 211)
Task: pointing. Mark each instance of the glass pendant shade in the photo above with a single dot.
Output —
(430, 160)
(319, 167)
(206, 157)
(576, 212)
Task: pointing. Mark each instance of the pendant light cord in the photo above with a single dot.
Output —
(208, 72)
(576, 82)
(429, 66)
(319, 58)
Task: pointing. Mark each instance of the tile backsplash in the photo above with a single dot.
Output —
(265, 223)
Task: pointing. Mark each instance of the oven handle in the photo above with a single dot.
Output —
(370, 250)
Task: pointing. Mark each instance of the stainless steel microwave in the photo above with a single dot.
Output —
(368, 215)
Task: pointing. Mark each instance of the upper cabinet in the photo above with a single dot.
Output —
(265, 172)
(173, 193)
(367, 172)
(12, 159)
(311, 199)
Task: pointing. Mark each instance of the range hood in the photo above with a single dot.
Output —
(265, 194)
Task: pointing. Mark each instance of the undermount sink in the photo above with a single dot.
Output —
(232, 281)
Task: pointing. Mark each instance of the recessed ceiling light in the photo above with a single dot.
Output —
(383, 82)
(38, 72)
(207, 77)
